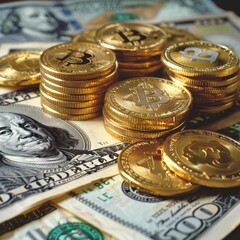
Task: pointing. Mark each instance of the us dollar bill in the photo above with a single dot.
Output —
(49, 222)
(125, 212)
(54, 157)
(48, 21)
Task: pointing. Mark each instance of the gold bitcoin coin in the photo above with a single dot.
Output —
(134, 126)
(72, 111)
(200, 58)
(78, 83)
(81, 117)
(176, 35)
(79, 90)
(204, 157)
(147, 100)
(72, 61)
(201, 81)
(85, 36)
(141, 165)
(223, 90)
(71, 104)
(132, 38)
(140, 134)
(20, 68)
(70, 97)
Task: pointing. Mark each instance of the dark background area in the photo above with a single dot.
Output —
(229, 5)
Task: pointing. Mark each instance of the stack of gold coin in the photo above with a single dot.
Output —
(137, 46)
(75, 78)
(145, 108)
(181, 163)
(20, 68)
(209, 71)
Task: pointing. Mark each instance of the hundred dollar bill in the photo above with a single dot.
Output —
(49, 222)
(56, 21)
(117, 208)
(127, 213)
(53, 157)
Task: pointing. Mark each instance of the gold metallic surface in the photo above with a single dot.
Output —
(77, 90)
(69, 60)
(20, 68)
(140, 134)
(71, 111)
(141, 165)
(200, 58)
(204, 157)
(70, 97)
(148, 99)
(204, 82)
(159, 126)
(82, 82)
(81, 117)
(71, 104)
(132, 38)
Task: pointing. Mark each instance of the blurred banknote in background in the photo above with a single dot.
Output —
(57, 21)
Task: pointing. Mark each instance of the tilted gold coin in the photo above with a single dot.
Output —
(146, 100)
(85, 36)
(71, 60)
(176, 35)
(200, 58)
(141, 165)
(204, 157)
(20, 68)
(132, 38)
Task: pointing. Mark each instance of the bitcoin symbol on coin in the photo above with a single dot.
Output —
(198, 54)
(131, 36)
(76, 57)
(145, 95)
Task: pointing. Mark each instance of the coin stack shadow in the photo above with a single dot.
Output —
(75, 78)
(137, 47)
(209, 71)
(145, 108)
